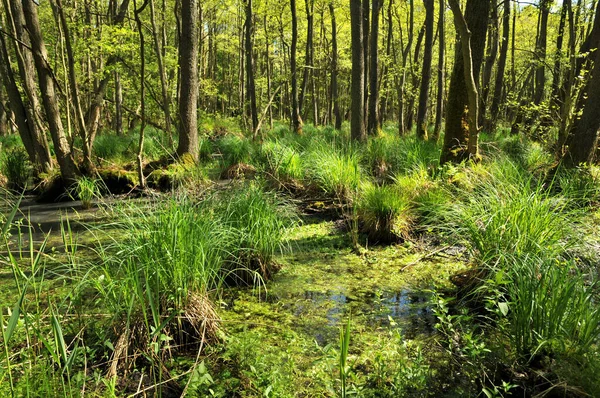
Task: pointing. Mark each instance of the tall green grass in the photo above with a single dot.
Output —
(16, 168)
(336, 172)
(158, 282)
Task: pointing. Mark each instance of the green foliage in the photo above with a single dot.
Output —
(336, 172)
(16, 169)
(385, 214)
(86, 190)
(235, 150)
(281, 161)
(552, 307)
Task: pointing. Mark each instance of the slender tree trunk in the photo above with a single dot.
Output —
(490, 60)
(373, 122)
(268, 64)
(492, 119)
(16, 103)
(88, 166)
(357, 124)
(440, 75)
(385, 75)
(541, 46)
(422, 122)
(403, 125)
(250, 86)
(460, 139)
(164, 85)
(309, 54)
(118, 104)
(4, 114)
(296, 119)
(138, 21)
(46, 82)
(26, 65)
(366, 51)
(188, 63)
(334, 70)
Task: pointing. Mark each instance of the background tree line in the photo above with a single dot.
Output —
(73, 69)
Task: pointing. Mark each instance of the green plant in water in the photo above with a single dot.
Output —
(86, 190)
(343, 367)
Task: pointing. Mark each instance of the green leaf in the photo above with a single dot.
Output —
(503, 308)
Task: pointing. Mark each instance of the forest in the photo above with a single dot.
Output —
(323, 198)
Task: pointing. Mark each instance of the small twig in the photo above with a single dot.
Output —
(428, 255)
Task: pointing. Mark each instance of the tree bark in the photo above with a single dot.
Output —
(373, 121)
(422, 122)
(118, 104)
(492, 119)
(26, 66)
(334, 70)
(541, 46)
(68, 168)
(439, 116)
(460, 139)
(309, 54)
(250, 86)
(188, 63)
(357, 126)
(164, 85)
(88, 166)
(296, 119)
(490, 60)
(140, 160)
(582, 142)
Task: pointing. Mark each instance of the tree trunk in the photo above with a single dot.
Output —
(541, 45)
(357, 125)
(16, 103)
(460, 139)
(250, 86)
(582, 142)
(88, 166)
(4, 119)
(441, 73)
(490, 60)
(27, 72)
(492, 119)
(334, 70)
(422, 122)
(365, 33)
(309, 54)
(68, 169)
(188, 63)
(373, 122)
(118, 104)
(268, 63)
(140, 161)
(164, 85)
(296, 119)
